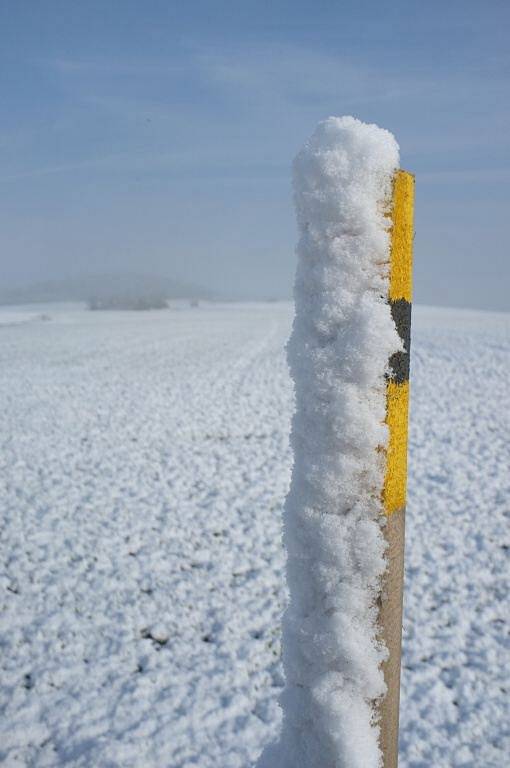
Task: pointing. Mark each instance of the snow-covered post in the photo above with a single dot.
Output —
(343, 355)
(395, 481)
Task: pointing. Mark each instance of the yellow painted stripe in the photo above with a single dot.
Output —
(395, 484)
(397, 397)
(401, 250)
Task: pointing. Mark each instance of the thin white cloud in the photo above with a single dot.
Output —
(111, 66)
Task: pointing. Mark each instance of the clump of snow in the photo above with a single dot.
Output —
(342, 338)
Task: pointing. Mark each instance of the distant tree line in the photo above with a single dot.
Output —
(128, 302)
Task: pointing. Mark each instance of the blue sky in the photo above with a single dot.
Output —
(157, 137)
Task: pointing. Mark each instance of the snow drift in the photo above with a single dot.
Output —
(342, 338)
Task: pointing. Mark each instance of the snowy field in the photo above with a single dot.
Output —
(145, 461)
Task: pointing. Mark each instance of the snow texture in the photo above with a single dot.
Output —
(145, 462)
(342, 339)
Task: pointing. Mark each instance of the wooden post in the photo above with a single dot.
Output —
(395, 484)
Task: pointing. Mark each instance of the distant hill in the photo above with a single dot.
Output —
(102, 287)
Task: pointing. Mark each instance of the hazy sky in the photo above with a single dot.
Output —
(157, 136)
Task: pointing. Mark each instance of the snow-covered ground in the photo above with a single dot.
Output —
(145, 460)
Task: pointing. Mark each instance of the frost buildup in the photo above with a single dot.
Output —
(342, 338)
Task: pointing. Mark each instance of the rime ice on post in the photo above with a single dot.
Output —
(342, 339)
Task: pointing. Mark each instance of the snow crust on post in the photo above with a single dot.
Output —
(343, 336)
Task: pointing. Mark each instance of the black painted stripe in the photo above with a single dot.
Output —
(399, 362)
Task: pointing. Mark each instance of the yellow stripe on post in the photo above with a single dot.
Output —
(402, 235)
(397, 419)
(395, 482)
